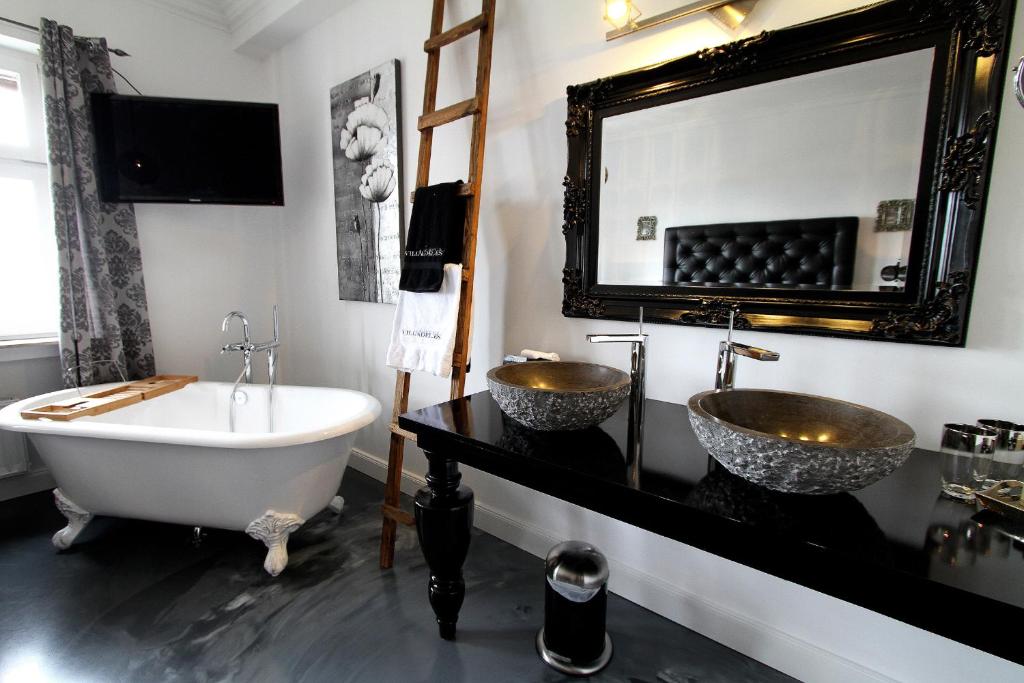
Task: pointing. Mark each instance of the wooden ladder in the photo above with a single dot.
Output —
(476, 107)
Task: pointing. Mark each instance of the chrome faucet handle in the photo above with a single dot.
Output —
(265, 346)
(725, 371)
(752, 351)
(638, 338)
(607, 338)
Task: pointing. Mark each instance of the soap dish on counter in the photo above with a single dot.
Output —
(1004, 498)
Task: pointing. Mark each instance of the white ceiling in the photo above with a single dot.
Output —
(255, 27)
(225, 15)
(208, 12)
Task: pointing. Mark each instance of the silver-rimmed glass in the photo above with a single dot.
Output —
(967, 452)
(1008, 459)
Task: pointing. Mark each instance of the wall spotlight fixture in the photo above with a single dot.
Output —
(623, 15)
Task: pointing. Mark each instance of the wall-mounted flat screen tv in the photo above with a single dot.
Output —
(159, 149)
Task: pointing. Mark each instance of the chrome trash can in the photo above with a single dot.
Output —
(573, 639)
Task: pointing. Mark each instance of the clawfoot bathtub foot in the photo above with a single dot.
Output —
(336, 505)
(274, 528)
(77, 518)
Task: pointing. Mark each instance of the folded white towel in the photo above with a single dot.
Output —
(423, 336)
(530, 354)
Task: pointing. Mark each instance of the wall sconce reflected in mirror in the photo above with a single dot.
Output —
(623, 15)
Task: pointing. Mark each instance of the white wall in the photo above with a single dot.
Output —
(539, 49)
(199, 261)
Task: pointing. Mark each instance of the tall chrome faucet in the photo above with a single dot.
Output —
(725, 374)
(248, 348)
(638, 380)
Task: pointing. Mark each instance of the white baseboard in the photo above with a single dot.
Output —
(751, 637)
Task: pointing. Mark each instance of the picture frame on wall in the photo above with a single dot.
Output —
(366, 155)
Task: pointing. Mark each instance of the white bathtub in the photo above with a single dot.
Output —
(173, 458)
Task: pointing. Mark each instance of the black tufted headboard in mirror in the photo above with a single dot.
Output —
(814, 251)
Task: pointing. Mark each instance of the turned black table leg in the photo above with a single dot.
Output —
(444, 518)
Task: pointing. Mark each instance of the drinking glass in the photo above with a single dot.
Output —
(966, 459)
(1009, 455)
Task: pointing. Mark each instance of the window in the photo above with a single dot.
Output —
(29, 301)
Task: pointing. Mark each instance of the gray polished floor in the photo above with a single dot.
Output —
(136, 601)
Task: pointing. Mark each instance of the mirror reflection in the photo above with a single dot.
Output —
(807, 182)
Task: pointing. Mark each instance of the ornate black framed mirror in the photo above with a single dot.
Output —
(827, 178)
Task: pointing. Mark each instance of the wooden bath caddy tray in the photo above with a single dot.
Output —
(104, 401)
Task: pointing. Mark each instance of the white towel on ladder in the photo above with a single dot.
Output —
(423, 336)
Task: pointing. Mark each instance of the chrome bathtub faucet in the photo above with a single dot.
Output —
(725, 373)
(248, 348)
(245, 346)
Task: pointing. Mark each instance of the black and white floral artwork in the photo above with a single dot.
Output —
(365, 133)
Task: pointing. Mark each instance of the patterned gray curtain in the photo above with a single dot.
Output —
(104, 315)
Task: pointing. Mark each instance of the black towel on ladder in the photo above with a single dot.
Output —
(435, 236)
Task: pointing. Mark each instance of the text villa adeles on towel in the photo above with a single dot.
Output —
(426, 334)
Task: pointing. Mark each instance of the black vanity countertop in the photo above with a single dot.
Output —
(895, 547)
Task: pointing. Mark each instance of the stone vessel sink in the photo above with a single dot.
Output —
(799, 443)
(555, 396)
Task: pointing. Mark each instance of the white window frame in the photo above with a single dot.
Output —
(32, 85)
(24, 161)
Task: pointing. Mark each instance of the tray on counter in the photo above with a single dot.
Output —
(1004, 498)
